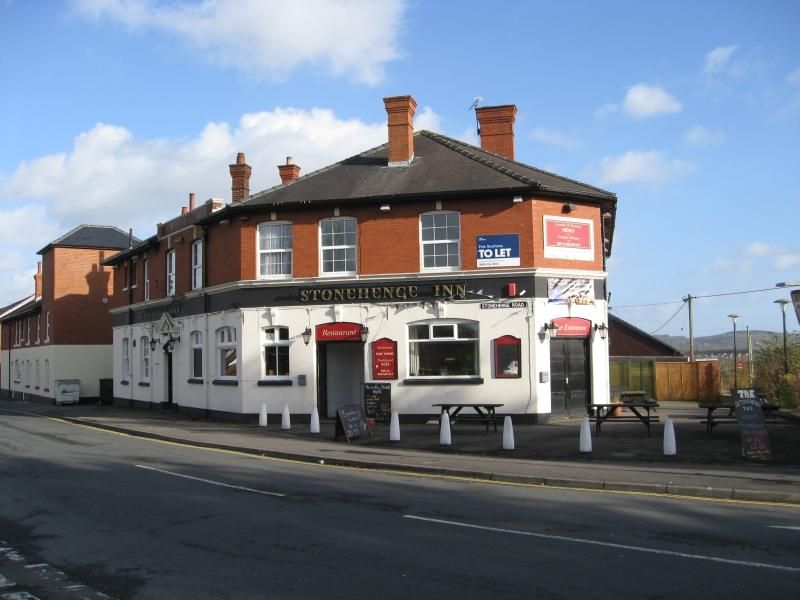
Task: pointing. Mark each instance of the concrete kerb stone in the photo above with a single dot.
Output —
(667, 490)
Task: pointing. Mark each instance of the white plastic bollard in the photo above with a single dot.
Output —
(670, 449)
(586, 436)
(314, 426)
(444, 430)
(394, 427)
(286, 423)
(262, 416)
(508, 434)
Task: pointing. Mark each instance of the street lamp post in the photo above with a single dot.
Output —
(782, 304)
(733, 318)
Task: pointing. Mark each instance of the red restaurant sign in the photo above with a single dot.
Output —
(568, 234)
(571, 327)
(384, 359)
(338, 332)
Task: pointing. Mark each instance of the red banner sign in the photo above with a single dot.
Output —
(568, 234)
(338, 332)
(571, 327)
(384, 359)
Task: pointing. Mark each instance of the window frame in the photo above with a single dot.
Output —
(435, 337)
(197, 264)
(170, 278)
(46, 374)
(423, 244)
(146, 277)
(47, 326)
(322, 248)
(509, 343)
(279, 251)
(144, 359)
(134, 279)
(126, 358)
(39, 328)
(222, 345)
(278, 343)
(194, 346)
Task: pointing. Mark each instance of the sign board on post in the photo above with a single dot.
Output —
(378, 401)
(498, 250)
(351, 423)
(384, 359)
(752, 428)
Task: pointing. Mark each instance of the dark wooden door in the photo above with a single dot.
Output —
(322, 379)
(569, 376)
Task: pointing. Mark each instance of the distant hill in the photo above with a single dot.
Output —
(722, 342)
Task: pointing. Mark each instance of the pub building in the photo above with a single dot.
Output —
(449, 272)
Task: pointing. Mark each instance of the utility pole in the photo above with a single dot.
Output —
(691, 328)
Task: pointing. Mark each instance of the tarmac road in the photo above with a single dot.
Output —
(135, 518)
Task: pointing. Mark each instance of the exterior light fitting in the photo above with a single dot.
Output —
(385, 208)
(153, 344)
(568, 207)
(306, 335)
(602, 329)
(364, 333)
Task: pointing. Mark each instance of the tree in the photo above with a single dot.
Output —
(771, 381)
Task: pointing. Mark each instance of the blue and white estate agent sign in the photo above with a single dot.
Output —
(498, 250)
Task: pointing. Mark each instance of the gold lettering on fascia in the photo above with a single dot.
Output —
(396, 292)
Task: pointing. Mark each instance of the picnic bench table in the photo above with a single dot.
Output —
(485, 412)
(713, 418)
(640, 408)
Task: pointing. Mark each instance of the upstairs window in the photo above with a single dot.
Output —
(440, 239)
(338, 246)
(276, 352)
(171, 273)
(28, 331)
(274, 250)
(38, 328)
(226, 353)
(197, 265)
(443, 349)
(146, 277)
(133, 274)
(47, 326)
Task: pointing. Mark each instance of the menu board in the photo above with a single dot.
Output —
(384, 359)
(351, 422)
(752, 428)
(378, 401)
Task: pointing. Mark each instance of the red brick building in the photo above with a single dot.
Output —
(63, 331)
(443, 270)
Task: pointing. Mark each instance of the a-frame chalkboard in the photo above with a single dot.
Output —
(351, 423)
(752, 428)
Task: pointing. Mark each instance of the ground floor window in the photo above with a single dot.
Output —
(441, 348)
(197, 354)
(226, 352)
(276, 352)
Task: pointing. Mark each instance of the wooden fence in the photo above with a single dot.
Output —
(667, 380)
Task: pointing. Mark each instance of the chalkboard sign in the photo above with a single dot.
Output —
(351, 422)
(752, 428)
(378, 401)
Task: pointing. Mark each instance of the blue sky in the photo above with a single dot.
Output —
(112, 111)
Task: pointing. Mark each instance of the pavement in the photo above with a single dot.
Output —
(623, 457)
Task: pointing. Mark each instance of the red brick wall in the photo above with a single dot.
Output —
(553, 208)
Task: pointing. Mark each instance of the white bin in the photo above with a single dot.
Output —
(67, 391)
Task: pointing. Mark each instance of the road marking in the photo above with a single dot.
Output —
(563, 538)
(784, 527)
(212, 482)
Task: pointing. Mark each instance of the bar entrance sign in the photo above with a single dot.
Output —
(752, 428)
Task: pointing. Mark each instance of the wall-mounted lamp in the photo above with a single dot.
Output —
(568, 207)
(153, 344)
(385, 208)
(602, 329)
(171, 342)
(547, 330)
(517, 199)
(306, 335)
(364, 333)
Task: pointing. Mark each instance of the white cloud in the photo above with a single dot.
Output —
(759, 249)
(427, 119)
(606, 110)
(269, 37)
(112, 177)
(700, 136)
(787, 261)
(642, 167)
(555, 138)
(24, 227)
(794, 77)
(719, 59)
(646, 101)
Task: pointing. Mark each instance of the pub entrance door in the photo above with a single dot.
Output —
(569, 376)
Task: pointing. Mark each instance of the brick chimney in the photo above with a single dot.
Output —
(497, 129)
(401, 129)
(37, 281)
(192, 201)
(240, 179)
(289, 171)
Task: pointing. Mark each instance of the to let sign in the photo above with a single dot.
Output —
(384, 359)
(498, 250)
